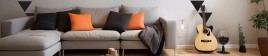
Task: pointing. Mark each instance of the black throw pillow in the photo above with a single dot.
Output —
(63, 22)
(45, 21)
(117, 21)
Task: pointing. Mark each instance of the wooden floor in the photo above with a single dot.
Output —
(233, 52)
(166, 52)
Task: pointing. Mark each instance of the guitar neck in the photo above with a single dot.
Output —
(204, 16)
(204, 19)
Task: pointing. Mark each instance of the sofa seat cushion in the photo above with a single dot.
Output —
(130, 35)
(96, 34)
(30, 40)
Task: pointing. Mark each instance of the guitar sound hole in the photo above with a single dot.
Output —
(223, 40)
(205, 40)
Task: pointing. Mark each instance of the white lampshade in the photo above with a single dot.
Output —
(182, 26)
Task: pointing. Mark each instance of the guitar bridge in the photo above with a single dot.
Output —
(205, 40)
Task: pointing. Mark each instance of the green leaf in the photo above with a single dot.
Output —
(260, 20)
(241, 35)
(255, 1)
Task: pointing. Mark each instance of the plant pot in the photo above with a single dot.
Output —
(263, 47)
(242, 49)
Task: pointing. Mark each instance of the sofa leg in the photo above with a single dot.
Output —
(174, 52)
(118, 52)
(62, 52)
(123, 52)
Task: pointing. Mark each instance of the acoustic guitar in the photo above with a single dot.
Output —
(205, 40)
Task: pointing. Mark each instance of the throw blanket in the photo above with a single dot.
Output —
(153, 38)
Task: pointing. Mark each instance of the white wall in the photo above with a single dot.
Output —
(227, 14)
(10, 9)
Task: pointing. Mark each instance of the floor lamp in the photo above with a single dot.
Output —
(181, 27)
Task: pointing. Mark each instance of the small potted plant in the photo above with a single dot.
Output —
(242, 41)
(260, 21)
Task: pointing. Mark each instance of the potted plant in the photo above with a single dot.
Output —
(260, 21)
(242, 41)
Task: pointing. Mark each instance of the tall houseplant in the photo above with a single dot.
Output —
(260, 21)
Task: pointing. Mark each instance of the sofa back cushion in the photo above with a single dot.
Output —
(151, 14)
(51, 10)
(99, 15)
(39, 9)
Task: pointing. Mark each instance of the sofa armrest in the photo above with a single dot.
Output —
(170, 30)
(12, 26)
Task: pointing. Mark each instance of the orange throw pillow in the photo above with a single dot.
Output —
(136, 22)
(81, 22)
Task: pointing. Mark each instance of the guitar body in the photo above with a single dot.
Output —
(205, 42)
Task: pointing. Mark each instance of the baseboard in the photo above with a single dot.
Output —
(219, 46)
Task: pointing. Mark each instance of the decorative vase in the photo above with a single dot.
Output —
(242, 49)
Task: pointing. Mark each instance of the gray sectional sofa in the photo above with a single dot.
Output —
(19, 40)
